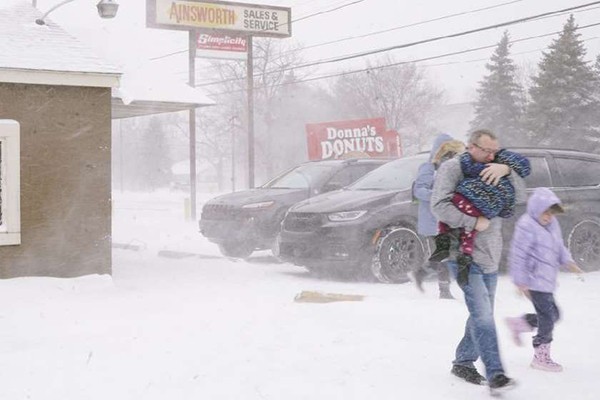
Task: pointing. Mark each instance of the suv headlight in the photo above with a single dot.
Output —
(346, 216)
(258, 206)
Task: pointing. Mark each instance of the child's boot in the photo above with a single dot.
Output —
(419, 276)
(462, 276)
(517, 326)
(542, 359)
(442, 247)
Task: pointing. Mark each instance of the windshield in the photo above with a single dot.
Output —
(395, 175)
(301, 177)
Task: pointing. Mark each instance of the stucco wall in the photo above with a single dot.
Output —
(65, 180)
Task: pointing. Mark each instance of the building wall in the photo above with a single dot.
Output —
(65, 180)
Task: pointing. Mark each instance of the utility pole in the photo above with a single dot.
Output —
(250, 85)
(121, 151)
(238, 18)
(233, 117)
(192, 121)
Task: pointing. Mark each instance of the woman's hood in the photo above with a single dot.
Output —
(441, 138)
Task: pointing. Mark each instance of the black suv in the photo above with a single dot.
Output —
(241, 222)
(370, 226)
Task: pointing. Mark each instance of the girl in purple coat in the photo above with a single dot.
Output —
(536, 254)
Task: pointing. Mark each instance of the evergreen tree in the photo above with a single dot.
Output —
(594, 135)
(499, 104)
(563, 98)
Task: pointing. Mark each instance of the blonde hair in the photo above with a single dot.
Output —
(449, 147)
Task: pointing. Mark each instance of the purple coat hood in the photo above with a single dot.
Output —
(537, 252)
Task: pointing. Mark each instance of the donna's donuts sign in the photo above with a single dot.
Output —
(355, 138)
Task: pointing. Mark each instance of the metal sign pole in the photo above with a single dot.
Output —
(220, 17)
(192, 121)
(233, 152)
(250, 84)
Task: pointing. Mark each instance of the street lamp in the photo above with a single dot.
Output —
(106, 9)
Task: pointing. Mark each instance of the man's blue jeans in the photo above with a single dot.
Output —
(480, 338)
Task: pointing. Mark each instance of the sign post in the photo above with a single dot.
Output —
(192, 122)
(250, 87)
(219, 17)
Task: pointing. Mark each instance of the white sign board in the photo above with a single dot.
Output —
(220, 16)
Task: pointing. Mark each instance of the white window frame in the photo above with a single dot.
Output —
(10, 170)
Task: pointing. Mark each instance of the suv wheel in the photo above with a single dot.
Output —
(398, 251)
(236, 249)
(584, 244)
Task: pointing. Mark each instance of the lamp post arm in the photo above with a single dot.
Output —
(41, 21)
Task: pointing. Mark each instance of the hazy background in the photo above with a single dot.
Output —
(127, 41)
(152, 152)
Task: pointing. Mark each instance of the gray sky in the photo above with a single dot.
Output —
(127, 41)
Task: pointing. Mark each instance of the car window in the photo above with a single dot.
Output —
(395, 175)
(349, 174)
(301, 177)
(577, 172)
(540, 173)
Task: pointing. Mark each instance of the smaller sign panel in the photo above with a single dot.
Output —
(224, 16)
(217, 45)
(354, 138)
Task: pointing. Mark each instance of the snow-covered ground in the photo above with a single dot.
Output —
(208, 327)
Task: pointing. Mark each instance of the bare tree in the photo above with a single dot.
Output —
(400, 92)
(277, 109)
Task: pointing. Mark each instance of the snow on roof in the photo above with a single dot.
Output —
(46, 54)
(151, 92)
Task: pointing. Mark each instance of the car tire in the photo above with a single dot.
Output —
(236, 249)
(584, 244)
(398, 251)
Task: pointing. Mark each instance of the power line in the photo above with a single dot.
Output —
(328, 11)
(283, 24)
(443, 37)
(487, 59)
(370, 33)
(409, 25)
(540, 18)
(412, 44)
(323, 12)
(370, 69)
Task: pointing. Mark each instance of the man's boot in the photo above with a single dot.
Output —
(419, 277)
(445, 291)
(464, 262)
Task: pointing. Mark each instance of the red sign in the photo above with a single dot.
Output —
(220, 42)
(356, 138)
